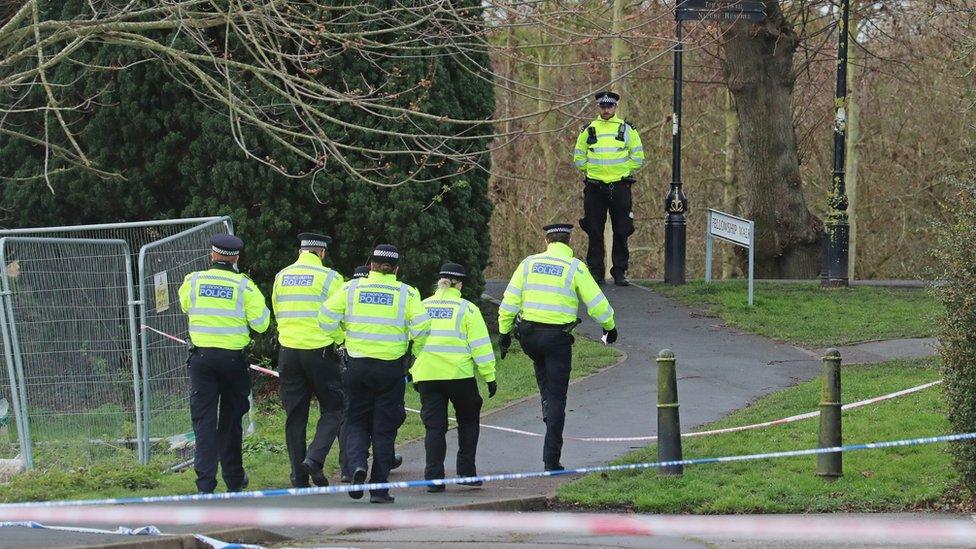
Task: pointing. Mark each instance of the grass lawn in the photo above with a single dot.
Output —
(874, 480)
(265, 456)
(806, 315)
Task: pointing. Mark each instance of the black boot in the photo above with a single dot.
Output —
(359, 477)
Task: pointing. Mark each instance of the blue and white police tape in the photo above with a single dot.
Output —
(122, 531)
(493, 478)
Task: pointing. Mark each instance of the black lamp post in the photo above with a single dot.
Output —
(838, 229)
(675, 203)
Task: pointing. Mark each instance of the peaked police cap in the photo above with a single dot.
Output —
(226, 244)
(607, 98)
(313, 240)
(453, 270)
(385, 253)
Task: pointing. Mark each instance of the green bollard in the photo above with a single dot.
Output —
(830, 465)
(668, 426)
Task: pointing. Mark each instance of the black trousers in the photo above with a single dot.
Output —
(374, 414)
(463, 395)
(304, 373)
(551, 351)
(219, 385)
(598, 199)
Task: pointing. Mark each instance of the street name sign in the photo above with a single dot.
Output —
(721, 10)
(734, 230)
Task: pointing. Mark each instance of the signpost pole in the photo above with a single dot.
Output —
(708, 248)
(752, 256)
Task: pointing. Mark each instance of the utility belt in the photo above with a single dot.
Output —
(193, 349)
(629, 180)
(529, 324)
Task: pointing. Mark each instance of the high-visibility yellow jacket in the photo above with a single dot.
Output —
(299, 291)
(379, 314)
(617, 153)
(548, 288)
(221, 305)
(458, 340)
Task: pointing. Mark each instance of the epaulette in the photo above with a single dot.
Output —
(631, 124)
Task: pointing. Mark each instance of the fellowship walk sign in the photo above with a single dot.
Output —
(734, 230)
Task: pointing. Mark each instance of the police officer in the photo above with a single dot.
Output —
(608, 151)
(444, 371)
(307, 360)
(223, 305)
(361, 271)
(380, 316)
(544, 293)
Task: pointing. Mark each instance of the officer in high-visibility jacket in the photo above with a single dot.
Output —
(223, 305)
(307, 361)
(544, 294)
(345, 474)
(608, 151)
(444, 371)
(381, 316)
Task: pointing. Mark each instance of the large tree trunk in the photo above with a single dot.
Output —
(759, 71)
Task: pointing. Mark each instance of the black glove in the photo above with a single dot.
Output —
(504, 342)
(492, 388)
(611, 336)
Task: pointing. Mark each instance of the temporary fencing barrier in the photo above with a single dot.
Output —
(819, 529)
(69, 340)
(283, 492)
(75, 385)
(165, 381)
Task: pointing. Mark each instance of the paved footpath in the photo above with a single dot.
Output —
(719, 370)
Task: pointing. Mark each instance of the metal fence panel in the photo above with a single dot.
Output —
(12, 441)
(70, 326)
(166, 384)
(136, 233)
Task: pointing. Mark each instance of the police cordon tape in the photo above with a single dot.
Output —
(281, 492)
(821, 529)
(122, 531)
(651, 438)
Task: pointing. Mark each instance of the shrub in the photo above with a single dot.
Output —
(957, 233)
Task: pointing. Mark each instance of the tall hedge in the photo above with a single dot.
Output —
(957, 333)
(179, 160)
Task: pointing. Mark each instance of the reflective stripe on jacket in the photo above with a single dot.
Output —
(223, 306)
(379, 315)
(458, 340)
(609, 159)
(300, 290)
(549, 287)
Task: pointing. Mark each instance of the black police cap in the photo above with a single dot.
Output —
(361, 271)
(558, 228)
(226, 244)
(385, 253)
(314, 240)
(453, 270)
(607, 98)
